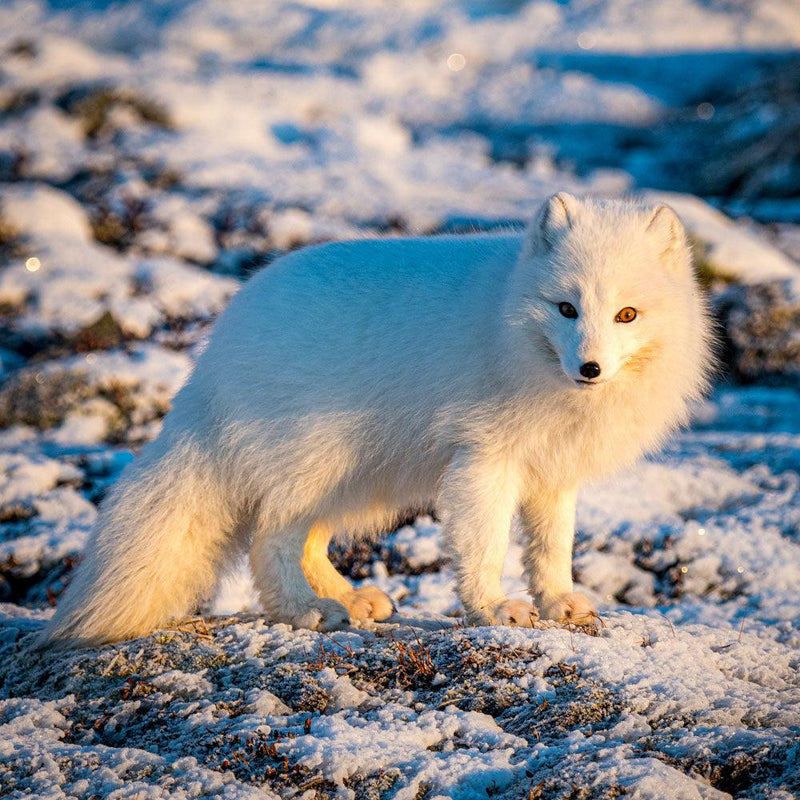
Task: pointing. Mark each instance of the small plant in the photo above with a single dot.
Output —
(414, 663)
(10, 240)
(98, 109)
(41, 399)
(117, 227)
(104, 333)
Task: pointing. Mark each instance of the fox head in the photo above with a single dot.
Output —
(609, 291)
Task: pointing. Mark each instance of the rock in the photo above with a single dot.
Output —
(762, 332)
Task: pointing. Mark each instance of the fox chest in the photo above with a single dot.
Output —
(584, 446)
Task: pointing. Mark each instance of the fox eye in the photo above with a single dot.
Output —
(568, 310)
(627, 314)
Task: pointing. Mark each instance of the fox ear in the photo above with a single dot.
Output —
(667, 229)
(556, 216)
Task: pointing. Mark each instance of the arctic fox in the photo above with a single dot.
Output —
(490, 374)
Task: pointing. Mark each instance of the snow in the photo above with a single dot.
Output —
(152, 156)
(41, 211)
(75, 282)
(24, 478)
(189, 236)
(699, 673)
(608, 713)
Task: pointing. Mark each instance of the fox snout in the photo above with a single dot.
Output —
(590, 370)
(589, 365)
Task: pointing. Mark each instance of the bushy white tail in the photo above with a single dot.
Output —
(153, 552)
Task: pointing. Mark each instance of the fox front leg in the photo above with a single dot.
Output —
(548, 521)
(478, 499)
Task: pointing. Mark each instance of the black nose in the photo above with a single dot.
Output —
(591, 369)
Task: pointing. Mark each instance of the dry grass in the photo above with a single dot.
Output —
(98, 107)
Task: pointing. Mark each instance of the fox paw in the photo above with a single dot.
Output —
(518, 613)
(321, 615)
(570, 608)
(368, 602)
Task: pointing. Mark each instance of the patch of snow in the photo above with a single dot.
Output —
(38, 210)
(182, 290)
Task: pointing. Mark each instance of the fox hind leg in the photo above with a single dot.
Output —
(366, 602)
(276, 560)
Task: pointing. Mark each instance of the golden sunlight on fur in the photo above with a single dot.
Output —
(490, 375)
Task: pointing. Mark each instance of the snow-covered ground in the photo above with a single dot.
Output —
(153, 154)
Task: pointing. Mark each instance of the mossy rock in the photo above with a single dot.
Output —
(761, 328)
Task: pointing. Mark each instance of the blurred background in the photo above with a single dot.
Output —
(154, 154)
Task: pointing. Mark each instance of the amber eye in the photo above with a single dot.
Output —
(627, 314)
(568, 310)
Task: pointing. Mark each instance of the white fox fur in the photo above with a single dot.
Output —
(353, 380)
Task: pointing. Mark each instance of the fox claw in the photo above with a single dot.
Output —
(515, 613)
(368, 602)
(571, 608)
